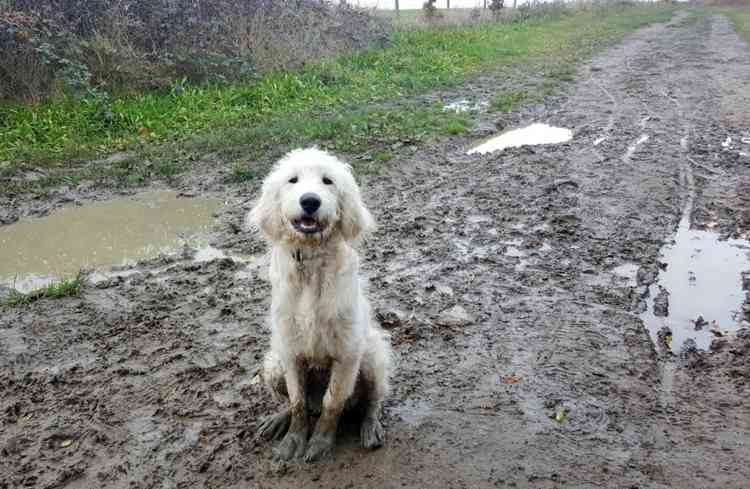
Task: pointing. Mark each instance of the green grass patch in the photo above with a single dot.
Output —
(509, 101)
(740, 19)
(383, 156)
(334, 103)
(56, 290)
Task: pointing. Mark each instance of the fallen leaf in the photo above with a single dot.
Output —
(562, 415)
(144, 132)
(512, 379)
(66, 443)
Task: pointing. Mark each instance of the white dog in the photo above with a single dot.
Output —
(323, 342)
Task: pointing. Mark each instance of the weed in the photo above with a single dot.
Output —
(456, 127)
(509, 101)
(56, 290)
(563, 73)
(242, 172)
(740, 19)
(383, 156)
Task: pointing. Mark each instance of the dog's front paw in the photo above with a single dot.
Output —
(372, 433)
(292, 446)
(321, 447)
(275, 426)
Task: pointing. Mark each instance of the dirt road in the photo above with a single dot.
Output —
(522, 358)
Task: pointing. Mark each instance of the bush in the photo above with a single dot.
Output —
(496, 6)
(430, 12)
(136, 45)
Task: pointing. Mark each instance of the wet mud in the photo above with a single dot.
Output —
(513, 283)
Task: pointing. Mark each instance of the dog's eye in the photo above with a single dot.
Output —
(293, 180)
(327, 181)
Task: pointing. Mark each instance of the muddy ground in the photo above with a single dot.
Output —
(147, 380)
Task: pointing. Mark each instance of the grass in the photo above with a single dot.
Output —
(740, 19)
(357, 103)
(509, 101)
(56, 290)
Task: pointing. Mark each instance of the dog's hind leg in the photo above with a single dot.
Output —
(275, 426)
(375, 370)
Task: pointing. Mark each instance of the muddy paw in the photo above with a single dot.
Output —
(292, 446)
(275, 426)
(321, 448)
(372, 433)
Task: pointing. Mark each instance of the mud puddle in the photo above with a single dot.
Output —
(118, 232)
(534, 134)
(699, 295)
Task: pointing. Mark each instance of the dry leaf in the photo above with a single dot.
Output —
(512, 379)
(562, 415)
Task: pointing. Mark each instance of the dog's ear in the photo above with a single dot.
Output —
(266, 214)
(356, 221)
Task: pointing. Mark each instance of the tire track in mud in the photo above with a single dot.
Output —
(497, 275)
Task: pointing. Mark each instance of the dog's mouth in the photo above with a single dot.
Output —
(307, 225)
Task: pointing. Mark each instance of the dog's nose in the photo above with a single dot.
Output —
(310, 203)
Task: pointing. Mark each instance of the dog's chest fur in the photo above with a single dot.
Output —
(314, 309)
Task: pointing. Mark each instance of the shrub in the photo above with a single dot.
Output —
(430, 12)
(136, 45)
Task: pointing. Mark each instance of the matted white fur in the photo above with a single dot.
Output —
(320, 317)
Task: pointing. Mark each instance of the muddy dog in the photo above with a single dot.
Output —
(326, 354)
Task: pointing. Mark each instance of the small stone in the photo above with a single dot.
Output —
(483, 130)
(661, 303)
(444, 290)
(502, 122)
(390, 319)
(688, 348)
(643, 291)
(719, 344)
(645, 276)
(7, 216)
(455, 316)
(700, 323)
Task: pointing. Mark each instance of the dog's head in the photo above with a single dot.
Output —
(308, 197)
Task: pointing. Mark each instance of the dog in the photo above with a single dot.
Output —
(326, 354)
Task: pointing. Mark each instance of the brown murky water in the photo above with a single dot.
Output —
(101, 234)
